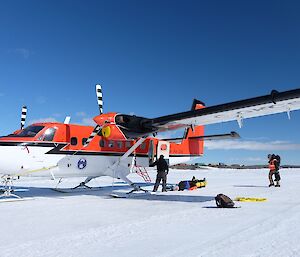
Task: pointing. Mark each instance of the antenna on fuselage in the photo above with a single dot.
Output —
(67, 120)
(23, 116)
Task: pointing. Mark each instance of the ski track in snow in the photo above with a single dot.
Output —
(171, 224)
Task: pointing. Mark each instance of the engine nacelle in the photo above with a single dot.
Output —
(131, 126)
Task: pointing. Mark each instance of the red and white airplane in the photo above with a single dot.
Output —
(120, 141)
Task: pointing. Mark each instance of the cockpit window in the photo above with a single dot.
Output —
(49, 134)
(30, 131)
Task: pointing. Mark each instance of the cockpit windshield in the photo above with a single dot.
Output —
(30, 131)
(49, 134)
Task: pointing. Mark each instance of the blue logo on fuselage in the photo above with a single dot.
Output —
(81, 164)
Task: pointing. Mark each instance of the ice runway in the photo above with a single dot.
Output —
(170, 224)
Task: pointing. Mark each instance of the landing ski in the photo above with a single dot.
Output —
(216, 207)
(141, 194)
(7, 200)
(76, 190)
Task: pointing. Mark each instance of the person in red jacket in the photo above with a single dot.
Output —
(274, 163)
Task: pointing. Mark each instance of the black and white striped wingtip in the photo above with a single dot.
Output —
(93, 134)
(23, 116)
(99, 97)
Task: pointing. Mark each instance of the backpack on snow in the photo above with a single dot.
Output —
(184, 185)
(223, 201)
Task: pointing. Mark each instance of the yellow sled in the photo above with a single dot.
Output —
(250, 199)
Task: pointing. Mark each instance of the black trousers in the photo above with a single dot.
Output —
(277, 177)
(161, 176)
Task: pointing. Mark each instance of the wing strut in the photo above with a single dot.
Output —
(289, 112)
(239, 119)
(117, 166)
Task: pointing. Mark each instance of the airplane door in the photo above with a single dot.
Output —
(151, 152)
(163, 148)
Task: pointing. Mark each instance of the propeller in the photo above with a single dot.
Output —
(23, 116)
(99, 97)
(95, 132)
(98, 128)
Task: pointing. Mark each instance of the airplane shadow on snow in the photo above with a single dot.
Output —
(50, 192)
(105, 191)
(178, 197)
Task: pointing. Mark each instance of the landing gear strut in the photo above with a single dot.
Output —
(77, 188)
(83, 184)
(136, 189)
(7, 190)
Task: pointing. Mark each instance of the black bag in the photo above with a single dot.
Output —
(223, 201)
(184, 185)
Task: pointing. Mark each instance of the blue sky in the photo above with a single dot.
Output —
(153, 58)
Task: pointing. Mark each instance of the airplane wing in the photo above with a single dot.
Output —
(276, 102)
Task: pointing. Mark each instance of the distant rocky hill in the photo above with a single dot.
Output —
(226, 166)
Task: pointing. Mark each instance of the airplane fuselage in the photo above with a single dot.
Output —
(58, 150)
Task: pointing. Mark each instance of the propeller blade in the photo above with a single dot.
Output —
(99, 97)
(95, 132)
(23, 116)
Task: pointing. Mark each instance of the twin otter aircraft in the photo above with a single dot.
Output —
(118, 142)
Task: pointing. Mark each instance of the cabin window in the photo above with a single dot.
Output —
(102, 143)
(49, 134)
(83, 141)
(73, 140)
(128, 144)
(120, 144)
(30, 131)
(111, 144)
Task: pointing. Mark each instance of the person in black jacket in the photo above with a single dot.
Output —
(162, 172)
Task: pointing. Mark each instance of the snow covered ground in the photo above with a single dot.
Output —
(168, 224)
